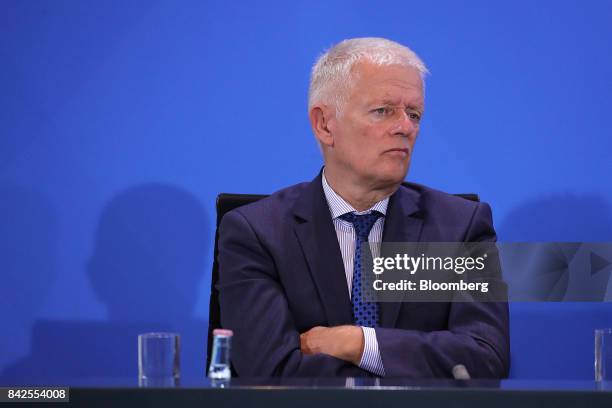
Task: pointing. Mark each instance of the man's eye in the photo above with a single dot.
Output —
(414, 116)
(383, 111)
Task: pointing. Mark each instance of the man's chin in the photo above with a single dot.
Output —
(390, 179)
(396, 173)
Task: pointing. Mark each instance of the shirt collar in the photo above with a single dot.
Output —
(338, 206)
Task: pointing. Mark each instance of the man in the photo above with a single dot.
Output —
(288, 263)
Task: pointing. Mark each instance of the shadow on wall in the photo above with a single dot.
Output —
(555, 340)
(28, 265)
(146, 266)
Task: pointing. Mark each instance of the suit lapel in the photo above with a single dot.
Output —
(403, 223)
(315, 231)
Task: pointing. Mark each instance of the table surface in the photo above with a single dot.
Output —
(329, 382)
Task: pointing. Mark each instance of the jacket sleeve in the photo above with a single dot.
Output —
(253, 304)
(477, 335)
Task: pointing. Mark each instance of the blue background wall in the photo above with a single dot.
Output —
(120, 121)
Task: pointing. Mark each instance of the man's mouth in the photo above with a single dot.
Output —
(403, 151)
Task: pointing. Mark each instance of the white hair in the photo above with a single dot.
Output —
(331, 76)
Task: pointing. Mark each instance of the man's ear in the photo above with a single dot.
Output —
(320, 118)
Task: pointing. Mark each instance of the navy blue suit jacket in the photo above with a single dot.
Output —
(281, 273)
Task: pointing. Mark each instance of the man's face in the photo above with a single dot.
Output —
(374, 136)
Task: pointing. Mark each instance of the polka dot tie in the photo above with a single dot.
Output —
(364, 313)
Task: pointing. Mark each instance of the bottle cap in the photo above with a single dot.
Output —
(223, 332)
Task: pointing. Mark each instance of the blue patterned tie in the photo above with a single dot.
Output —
(364, 313)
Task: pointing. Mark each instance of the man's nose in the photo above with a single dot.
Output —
(404, 125)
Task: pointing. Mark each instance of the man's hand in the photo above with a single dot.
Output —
(343, 342)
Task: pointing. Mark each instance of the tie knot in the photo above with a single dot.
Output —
(362, 223)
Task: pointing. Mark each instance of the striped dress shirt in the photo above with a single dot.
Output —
(370, 359)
